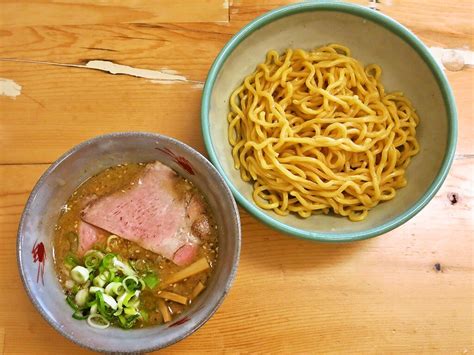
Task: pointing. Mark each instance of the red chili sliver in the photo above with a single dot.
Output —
(39, 255)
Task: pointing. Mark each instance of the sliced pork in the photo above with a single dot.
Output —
(157, 212)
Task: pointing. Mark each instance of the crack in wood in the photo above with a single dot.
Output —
(142, 38)
(100, 49)
(155, 76)
(176, 28)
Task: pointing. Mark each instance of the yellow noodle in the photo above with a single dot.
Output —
(316, 132)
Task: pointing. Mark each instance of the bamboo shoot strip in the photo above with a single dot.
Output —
(164, 310)
(173, 297)
(193, 269)
(197, 290)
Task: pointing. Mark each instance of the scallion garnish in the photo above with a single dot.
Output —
(69, 284)
(71, 303)
(108, 261)
(131, 283)
(80, 315)
(115, 289)
(98, 321)
(92, 259)
(70, 261)
(94, 289)
(127, 322)
(80, 274)
(151, 280)
(75, 289)
(93, 309)
(82, 297)
(110, 301)
(106, 290)
(112, 241)
(144, 315)
(125, 268)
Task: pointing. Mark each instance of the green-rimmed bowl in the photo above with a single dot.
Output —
(373, 38)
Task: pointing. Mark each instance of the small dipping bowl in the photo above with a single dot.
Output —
(36, 230)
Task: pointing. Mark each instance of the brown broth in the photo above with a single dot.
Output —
(121, 177)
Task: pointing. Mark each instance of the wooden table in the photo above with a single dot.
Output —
(410, 291)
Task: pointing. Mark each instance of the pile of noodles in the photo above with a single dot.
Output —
(316, 132)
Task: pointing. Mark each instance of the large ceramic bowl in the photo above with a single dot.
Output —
(35, 235)
(373, 38)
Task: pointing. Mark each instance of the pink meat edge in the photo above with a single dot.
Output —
(88, 236)
(185, 255)
(196, 207)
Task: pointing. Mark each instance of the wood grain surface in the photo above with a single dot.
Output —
(409, 291)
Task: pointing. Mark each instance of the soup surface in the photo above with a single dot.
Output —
(161, 282)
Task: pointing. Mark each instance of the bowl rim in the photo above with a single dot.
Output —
(135, 134)
(389, 24)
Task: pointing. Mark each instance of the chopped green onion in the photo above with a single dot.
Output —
(122, 321)
(71, 261)
(81, 297)
(93, 308)
(126, 298)
(71, 303)
(101, 280)
(127, 322)
(151, 280)
(130, 311)
(106, 289)
(110, 301)
(92, 259)
(118, 312)
(144, 315)
(131, 283)
(94, 289)
(75, 289)
(115, 288)
(98, 281)
(79, 315)
(69, 284)
(133, 303)
(98, 321)
(112, 241)
(80, 274)
(108, 261)
(124, 267)
(111, 273)
(131, 320)
(107, 274)
(101, 306)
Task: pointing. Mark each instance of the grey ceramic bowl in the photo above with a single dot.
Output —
(373, 38)
(35, 254)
